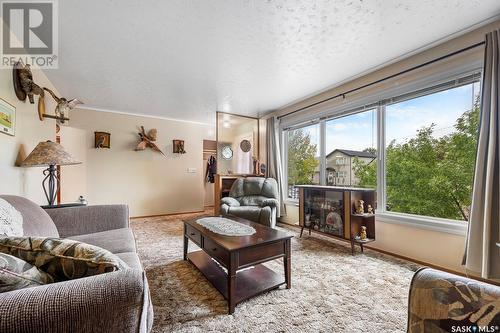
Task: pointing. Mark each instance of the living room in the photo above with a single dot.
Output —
(250, 166)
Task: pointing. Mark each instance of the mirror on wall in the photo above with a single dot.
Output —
(237, 143)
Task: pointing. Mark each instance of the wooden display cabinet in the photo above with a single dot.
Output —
(331, 210)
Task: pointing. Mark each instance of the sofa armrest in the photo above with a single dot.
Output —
(72, 221)
(110, 302)
(440, 300)
(231, 202)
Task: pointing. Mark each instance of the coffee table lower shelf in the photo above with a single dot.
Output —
(249, 282)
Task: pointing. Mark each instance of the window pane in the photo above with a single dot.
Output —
(303, 158)
(351, 150)
(430, 153)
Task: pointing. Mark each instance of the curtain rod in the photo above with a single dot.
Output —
(385, 78)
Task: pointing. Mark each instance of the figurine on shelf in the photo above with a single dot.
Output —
(362, 235)
(360, 209)
(369, 209)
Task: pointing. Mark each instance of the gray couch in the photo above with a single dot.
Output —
(253, 198)
(110, 302)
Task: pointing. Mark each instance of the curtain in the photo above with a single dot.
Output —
(482, 253)
(274, 166)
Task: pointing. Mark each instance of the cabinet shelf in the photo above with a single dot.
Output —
(337, 218)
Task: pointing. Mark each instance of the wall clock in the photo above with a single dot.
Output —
(245, 146)
(227, 152)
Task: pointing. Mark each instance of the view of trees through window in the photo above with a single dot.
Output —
(430, 153)
(303, 158)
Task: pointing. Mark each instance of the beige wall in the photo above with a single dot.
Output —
(29, 132)
(438, 248)
(148, 182)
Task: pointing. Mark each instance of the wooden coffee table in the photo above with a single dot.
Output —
(238, 252)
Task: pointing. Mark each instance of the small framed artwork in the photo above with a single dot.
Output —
(178, 146)
(102, 140)
(7, 118)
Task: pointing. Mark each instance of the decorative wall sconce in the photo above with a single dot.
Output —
(102, 140)
(178, 147)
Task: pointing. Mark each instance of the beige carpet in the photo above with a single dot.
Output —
(332, 291)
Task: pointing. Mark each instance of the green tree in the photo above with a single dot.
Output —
(366, 172)
(427, 175)
(302, 162)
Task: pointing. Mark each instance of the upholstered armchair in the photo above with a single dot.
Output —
(443, 302)
(253, 198)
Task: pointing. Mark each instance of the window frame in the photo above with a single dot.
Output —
(424, 88)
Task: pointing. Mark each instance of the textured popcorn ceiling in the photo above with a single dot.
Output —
(185, 59)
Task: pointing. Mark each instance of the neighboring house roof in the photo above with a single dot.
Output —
(353, 153)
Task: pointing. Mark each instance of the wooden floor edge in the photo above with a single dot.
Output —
(416, 261)
(167, 214)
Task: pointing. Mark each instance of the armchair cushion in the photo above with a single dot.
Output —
(231, 202)
(17, 274)
(63, 259)
(251, 213)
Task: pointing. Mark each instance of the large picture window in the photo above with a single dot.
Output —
(426, 141)
(430, 153)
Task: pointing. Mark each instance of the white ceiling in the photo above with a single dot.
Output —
(185, 59)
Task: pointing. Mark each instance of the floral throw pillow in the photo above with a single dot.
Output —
(63, 259)
(17, 274)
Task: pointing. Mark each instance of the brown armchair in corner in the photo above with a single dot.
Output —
(443, 302)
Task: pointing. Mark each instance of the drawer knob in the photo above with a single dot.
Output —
(192, 234)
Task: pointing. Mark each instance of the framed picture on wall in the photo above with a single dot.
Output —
(7, 118)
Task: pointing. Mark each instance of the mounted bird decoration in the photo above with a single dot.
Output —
(148, 140)
(62, 108)
(25, 86)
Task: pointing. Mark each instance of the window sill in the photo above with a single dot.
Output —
(424, 222)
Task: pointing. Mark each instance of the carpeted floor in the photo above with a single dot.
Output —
(332, 291)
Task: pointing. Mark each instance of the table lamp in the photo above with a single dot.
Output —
(49, 154)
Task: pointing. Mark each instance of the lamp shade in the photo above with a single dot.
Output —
(49, 153)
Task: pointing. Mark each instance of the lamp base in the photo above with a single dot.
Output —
(50, 184)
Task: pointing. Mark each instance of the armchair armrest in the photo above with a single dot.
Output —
(231, 202)
(110, 302)
(440, 300)
(273, 203)
(71, 221)
(270, 202)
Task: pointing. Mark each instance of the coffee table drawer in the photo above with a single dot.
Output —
(193, 234)
(256, 254)
(216, 251)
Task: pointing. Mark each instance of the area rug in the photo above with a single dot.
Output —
(332, 290)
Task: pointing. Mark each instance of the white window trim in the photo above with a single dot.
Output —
(417, 221)
(456, 227)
